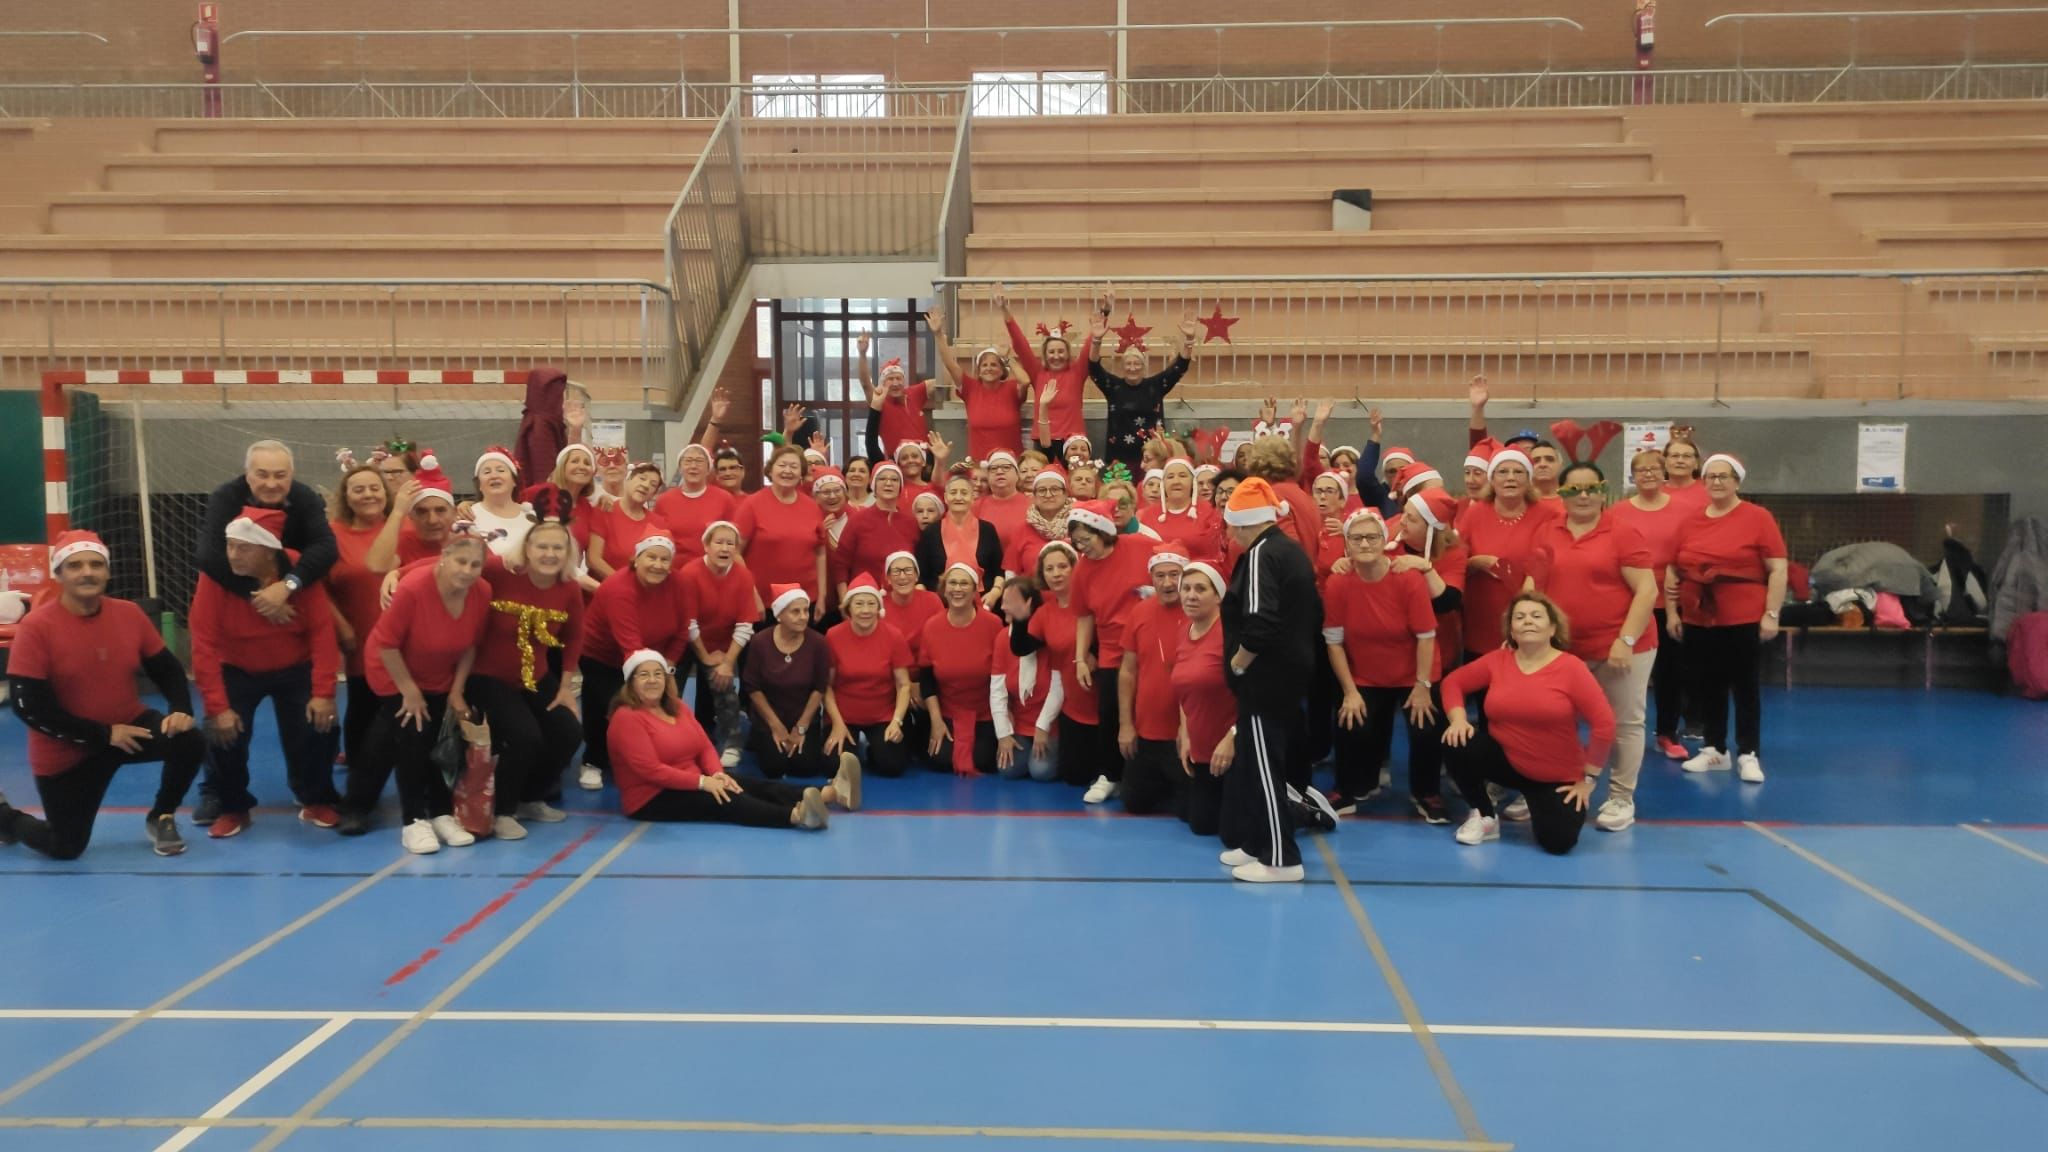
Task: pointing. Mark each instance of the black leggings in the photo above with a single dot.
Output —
(1153, 779)
(883, 758)
(1108, 707)
(1728, 662)
(1201, 801)
(422, 792)
(601, 683)
(362, 712)
(1667, 680)
(763, 804)
(1361, 750)
(71, 799)
(809, 760)
(1087, 751)
(1556, 823)
(533, 740)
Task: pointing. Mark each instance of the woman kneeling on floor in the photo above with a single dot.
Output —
(1528, 741)
(667, 769)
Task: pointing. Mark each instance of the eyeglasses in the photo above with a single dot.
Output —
(1570, 490)
(1719, 478)
(1360, 538)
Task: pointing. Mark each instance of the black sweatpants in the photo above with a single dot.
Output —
(1086, 751)
(762, 804)
(809, 760)
(1728, 662)
(533, 741)
(308, 754)
(71, 799)
(601, 684)
(1555, 822)
(884, 758)
(422, 792)
(1152, 781)
(1255, 815)
(1667, 680)
(1361, 750)
(1320, 717)
(1108, 707)
(1201, 801)
(356, 719)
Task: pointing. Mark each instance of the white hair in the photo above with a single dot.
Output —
(249, 457)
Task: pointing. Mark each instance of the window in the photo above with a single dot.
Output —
(857, 95)
(1041, 93)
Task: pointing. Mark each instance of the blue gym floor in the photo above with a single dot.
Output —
(1850, 956)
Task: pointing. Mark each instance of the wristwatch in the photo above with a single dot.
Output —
(293, 582)
(1628, 639)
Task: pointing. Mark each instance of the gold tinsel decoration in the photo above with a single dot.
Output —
(533, 626)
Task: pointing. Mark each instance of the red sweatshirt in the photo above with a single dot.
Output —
(1377, 624)
(1199, 527)
(226, 630)
(518, 608)
(1534, 716)
(627, 615)
(651, 754)
(994, 420)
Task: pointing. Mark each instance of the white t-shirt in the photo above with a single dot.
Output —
(515, 528)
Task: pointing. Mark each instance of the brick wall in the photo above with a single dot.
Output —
(150, 38)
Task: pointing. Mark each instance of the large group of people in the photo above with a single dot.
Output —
(1183, 633)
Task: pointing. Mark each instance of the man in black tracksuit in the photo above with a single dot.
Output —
(1271, 617)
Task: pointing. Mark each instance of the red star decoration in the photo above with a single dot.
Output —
(1131, 334)
(1217, 326)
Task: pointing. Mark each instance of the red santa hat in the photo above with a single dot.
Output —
(697, 448)
(1508, 456)
(1415, 476)
(1372, 514)
(433, 482)
(1053, 473)
(263, 527)
(893, 366)
(644, 656)
(1741, 473)
(1168, 552)
(1402, 455)
(71, 543)
(1253, 502)
(1077, 442)
(499, 453)
(562, 457)
(911, 446)
(863, 585)
(1097, 514)
(1208, 572)
(714, 526)
(890, 560)
(784, 596)
(827, 477)
(1436, 506)
(973, 573)
(889, 466)
(1207, 469)
(925, 495)
(653, 540)
(1000, 456)
(1481, 455)
(1343, 481)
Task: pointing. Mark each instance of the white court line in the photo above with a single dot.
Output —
(2002, 842)
(1075, 1023)
(254, 1084)
(1896, 905)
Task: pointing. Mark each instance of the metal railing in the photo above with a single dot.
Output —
(706, 244)
(1956, 80)
(956, 214)
(1686, 336)
(614, 335)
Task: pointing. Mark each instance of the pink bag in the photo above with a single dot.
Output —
(476, 787)
(1890, 613)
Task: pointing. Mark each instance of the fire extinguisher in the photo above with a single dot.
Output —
(206, 45)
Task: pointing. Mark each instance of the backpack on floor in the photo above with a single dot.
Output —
(2026, 655)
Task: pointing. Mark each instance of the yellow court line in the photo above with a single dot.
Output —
(2002, 842)
(1896, 905)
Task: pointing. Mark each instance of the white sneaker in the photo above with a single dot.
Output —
(1315, 796)
(541, 812)
(1709, 760)
(1099, 791)
(506, 828)
(1257, 873)
(1516, 812)
(1749, 768)
(847, 782)
(1478, 829)
(452, 833)
(1235, 858)
(729, 758)
(1615, 815)
(419, 839)
(590, 779)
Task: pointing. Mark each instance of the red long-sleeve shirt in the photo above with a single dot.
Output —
(721, 602)
(652, 753)
(1063, 415)
(514, 599)
(354, 592)
(227, 630)
(628, 614)
(1534, 716)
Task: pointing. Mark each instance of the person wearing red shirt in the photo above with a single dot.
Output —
(721, 594)
(693, 505)
(1107, 584)
(1054, 632)
(1726, 585)
(1018, 685)
(71, 671)
(521, 681)
(873, 532)
(669, 772)
(783, 531)
(630, 519)
(1004, 506)
(1180, 515)
(906, 605)
(1657, 517)
(994, 400)
(1147, 725)
(1600, 574)
(1425, 542)
(958, 536)
(959, 644)
(869, 693)
(1537, 693)
(239, 659)
(897, 408)
(1682, 470)
(1059, 378)
(426, 504)
(361, 514)
(1045, 520)
(418, 660)
(1499, 535)
(636, 607)
(1202, 700)
(1381, 636)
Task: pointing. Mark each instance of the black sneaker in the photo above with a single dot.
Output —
(7, 815)
(1431, 809)
(1311, 817)
(163, 835)
(353, 824)
(206, 811)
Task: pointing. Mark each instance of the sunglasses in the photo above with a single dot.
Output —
(1570, 490)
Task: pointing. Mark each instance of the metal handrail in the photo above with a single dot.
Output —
(53, 34)
(327, 282)
(1712, 275)
(1740, 18)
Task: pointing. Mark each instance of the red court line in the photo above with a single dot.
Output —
(487, 911)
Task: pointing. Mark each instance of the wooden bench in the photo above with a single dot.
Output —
(1308, 208)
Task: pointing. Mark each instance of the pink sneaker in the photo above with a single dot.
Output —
(1672, 748)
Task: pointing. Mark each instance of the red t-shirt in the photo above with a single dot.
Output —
(355, 592)
(1202, 693)
(412, 549)
(1107, 589)
(1009, 516)
(518, 607)
(1721, 565)
(227, 630)
(864, 672)
(1054, 627)
(628, 614)
(870, 535)
(1154, 634)
(782, 541)
(1450, 626)
(1583, 576)
(1534, 716)
(1484, 533)
(1199, 527)
(1692, 497)
(688, 516)
(1020, 556)
(908, 618)
(1063, 415)
(430, 641)
(1377, 623)
(721, 602)
(994, 416)
(650, 755)
(960, 660)
(90, 662)
(621, 532)
(903, 419)
(1659, 531)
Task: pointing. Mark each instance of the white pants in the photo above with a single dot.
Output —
(1628, 695)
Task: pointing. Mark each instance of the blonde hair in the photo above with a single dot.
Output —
(560, 476)
(338, 511)
(1271, 458)
(1561, 639)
